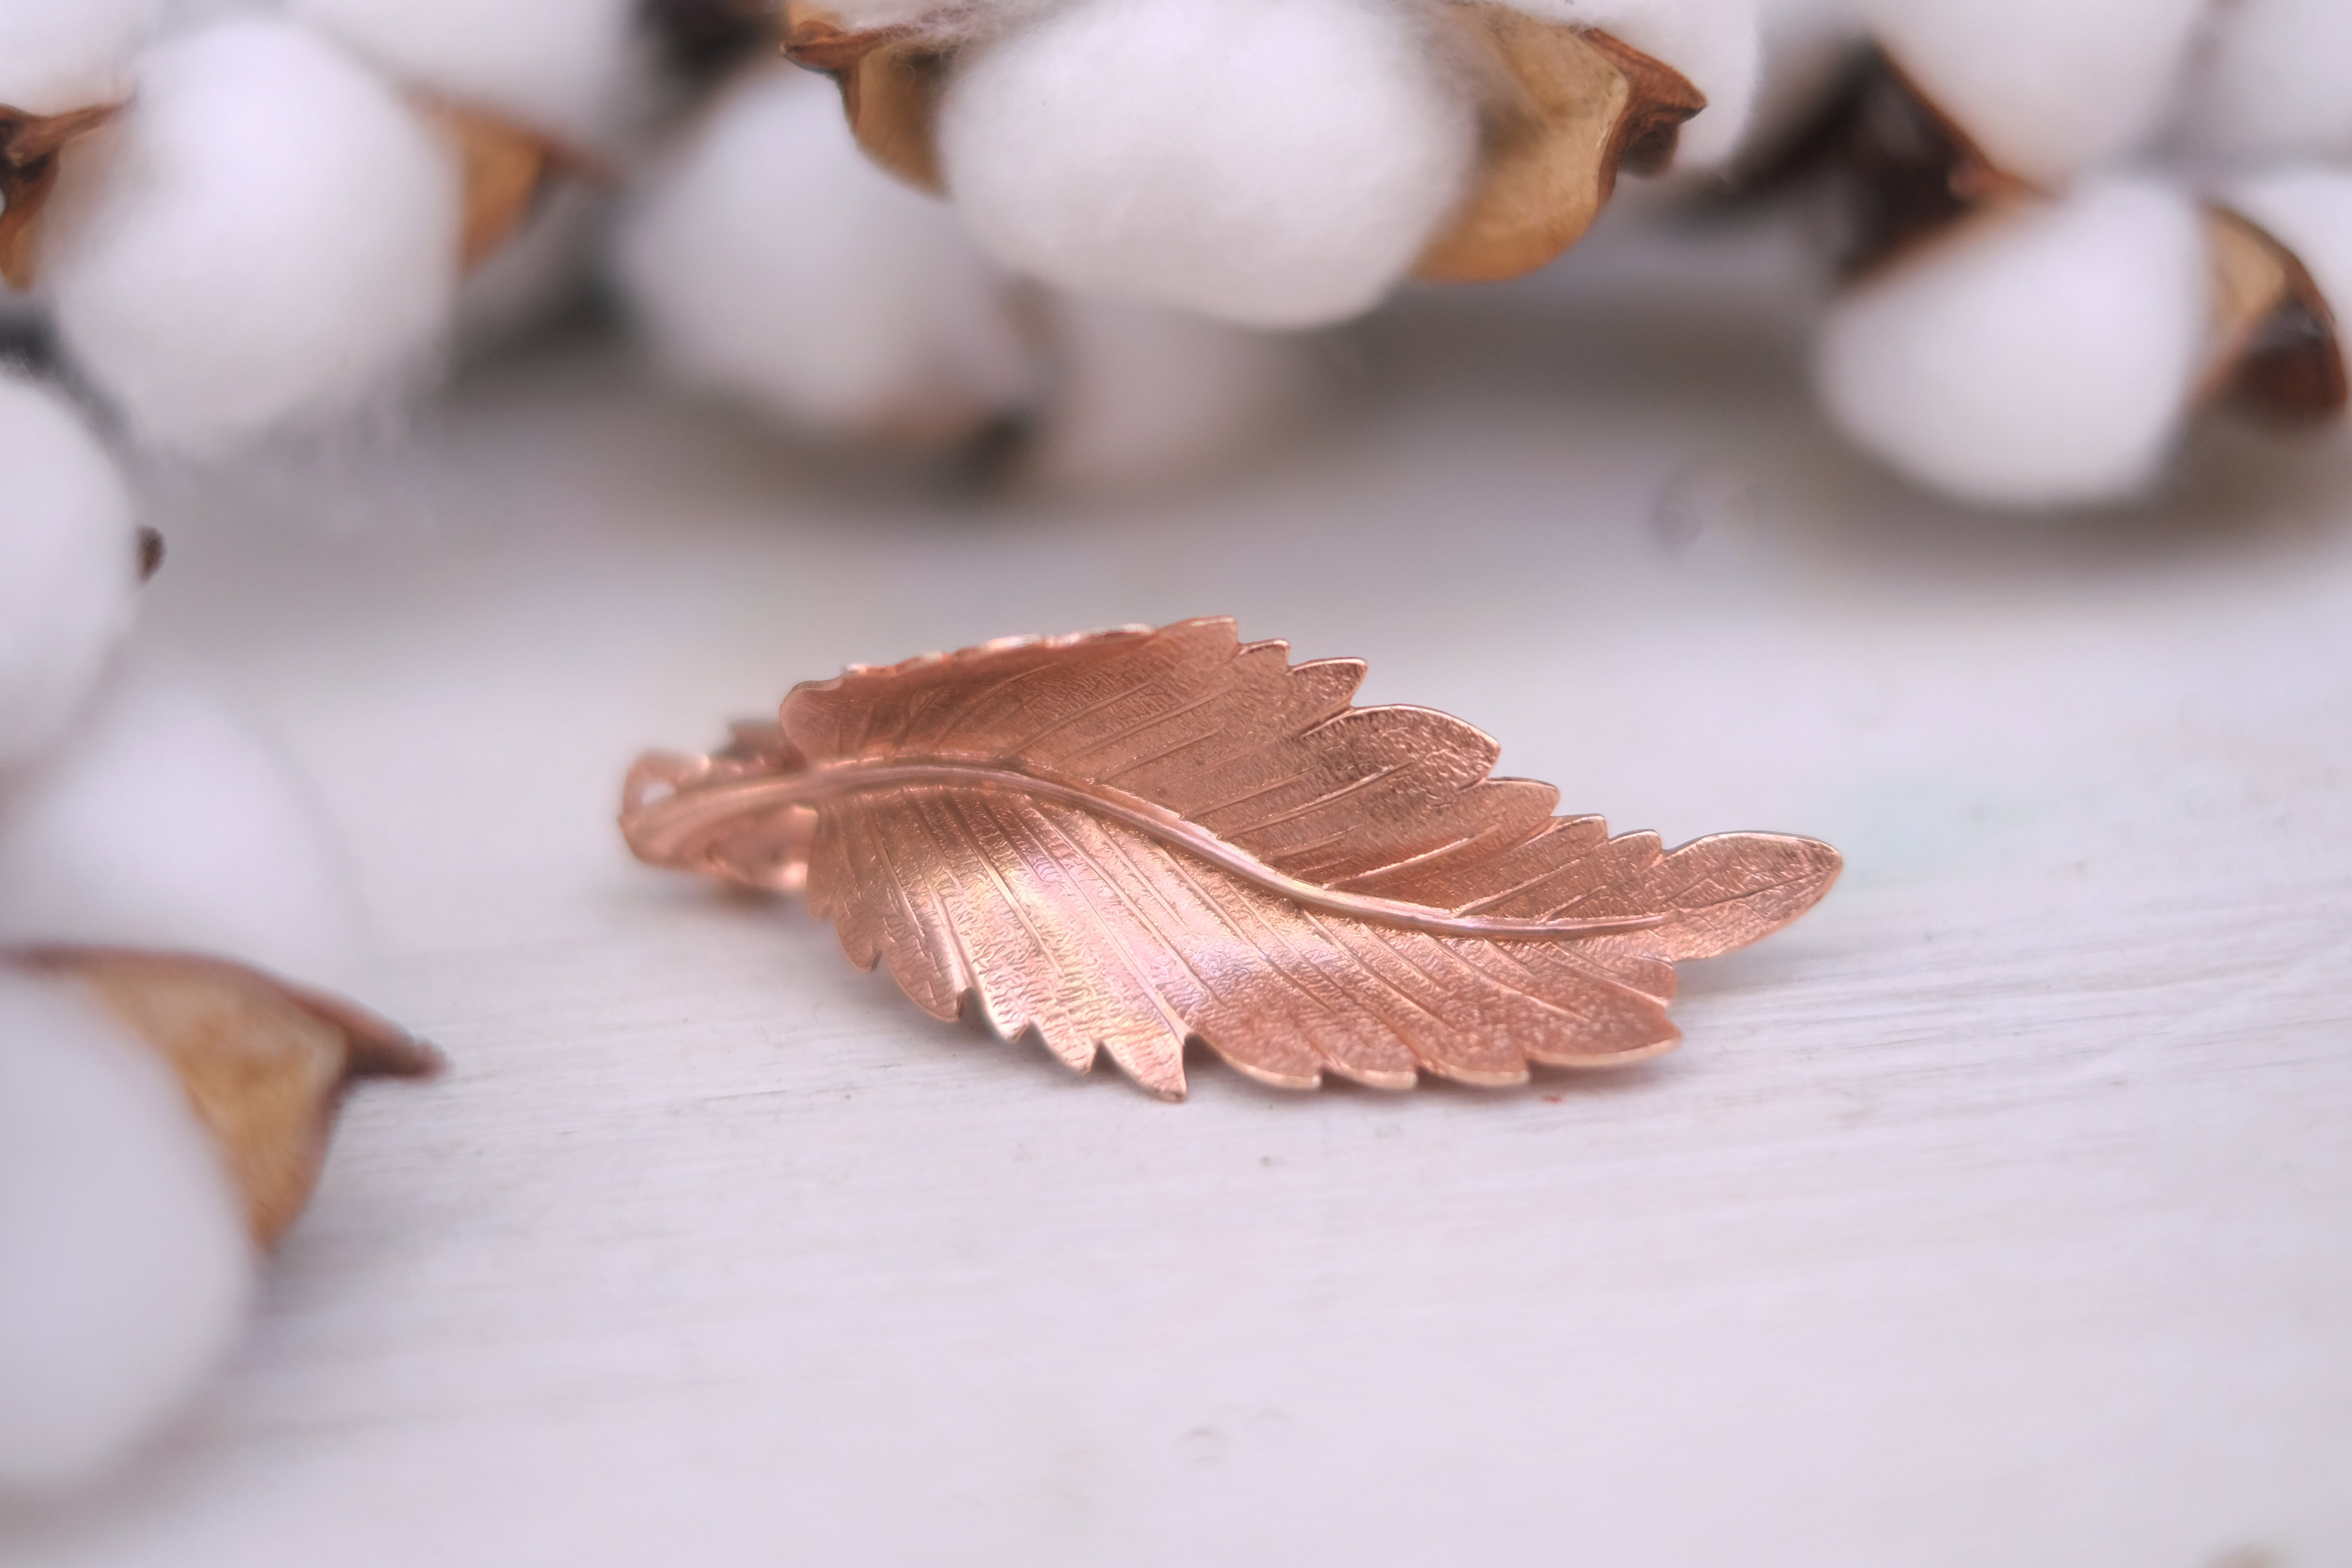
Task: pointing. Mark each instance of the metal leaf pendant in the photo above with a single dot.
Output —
(1129, 840)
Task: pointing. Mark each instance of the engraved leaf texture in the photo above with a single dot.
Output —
(1132, 839)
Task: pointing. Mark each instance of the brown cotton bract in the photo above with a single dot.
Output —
(1906, 174)
(1564, 111)
(2279, 355)
(30, 145)
(506, 169)
(1902, 171)
(890, 80)
(264, 1064)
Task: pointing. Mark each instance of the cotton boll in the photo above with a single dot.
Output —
(69, 565)
(124, 1264)
(2046, 90)
(1276, 162)
(60, 55)
(2309, 211)
(2278, 81)
(1148, 395)
(2036, 357)
(557, 65)
(1713, 43)
(268, 237)
(163, 821)
(773, 262)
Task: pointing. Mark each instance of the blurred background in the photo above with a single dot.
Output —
(1993, 1212)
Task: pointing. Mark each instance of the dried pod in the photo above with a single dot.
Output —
(30, 146)
(1900, 170)
(1566, 108)
(890, 80)
(264, 1064)
(507, 170)
(2277, 352)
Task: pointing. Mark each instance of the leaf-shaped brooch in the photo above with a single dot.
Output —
(1129, 840)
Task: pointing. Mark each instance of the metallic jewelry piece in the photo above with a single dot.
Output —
(1129, 840)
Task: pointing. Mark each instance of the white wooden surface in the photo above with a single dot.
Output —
(2000, 1211)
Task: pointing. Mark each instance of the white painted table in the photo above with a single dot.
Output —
(2000, 1212)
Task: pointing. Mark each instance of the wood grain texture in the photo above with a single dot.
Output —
(2000, 1220)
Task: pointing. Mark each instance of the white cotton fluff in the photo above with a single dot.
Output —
(1713, 43)
(1147, 395)
(164, 821)
(1276, 162)
(125, 1267)
(771, 262)
(2046, 89)
(2035, 357)
(2307, 209)
(68, 565)
(58, 55)
(2278, 80)
(558, 66)
(268, 239)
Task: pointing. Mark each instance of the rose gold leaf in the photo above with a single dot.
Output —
(1127, 840)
